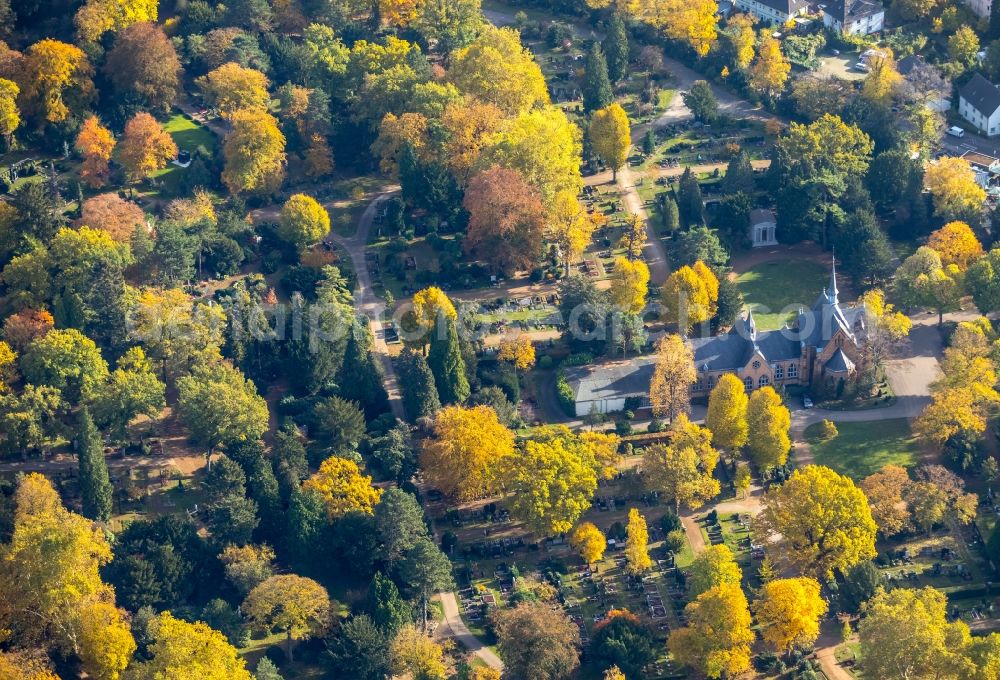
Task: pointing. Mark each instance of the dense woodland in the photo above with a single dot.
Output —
(213, 467)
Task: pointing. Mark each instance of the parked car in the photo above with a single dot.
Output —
(807, 402)
(956, 131)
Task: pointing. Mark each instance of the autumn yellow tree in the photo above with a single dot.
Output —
(467, 452)
(106, 643)
(694, 23)
(714, 566)
(629, 285)
(50, 583)
(395, 133)
(673, 376)
(254, 152)
(681, 470)
(518, 349)
(26, 666)
(497, 70)
(54, 77)
(788, 612)
(686, 299)
(294, 605)
(726, 417)
(303, 220)
(10, 116)
(931, 647)
(956, 243)
(739, 29)
(716, 641)
(416, 655)
(232, 88)
(882, 79)
(551, 486)
(97, 17)
(886, 327)
(770, 69)
(610, 136)
(588, 540)
(343, 488)
(816, 522)
(544, 145)
(952, 183)
(95, 143)
(571, 226)
(614, 673)
(634, 237)
(189, 651)
(768, 422)
(711, 282)
(886, 491)
(636, 543)
(470, 126)
(145, 147)
(953, 411)
(432, 310)
(318, 157)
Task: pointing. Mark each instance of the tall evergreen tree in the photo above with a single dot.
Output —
(106, 321)
(359, 378)
(446, 363)
(95, 485)
(388, 610)
(616, 48)
(262, 487)
(689, 201)
(739, 174)
(420, 395)
(596, 86)
(671, 216)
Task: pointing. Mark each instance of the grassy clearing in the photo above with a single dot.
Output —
(859, 449)
(776, 289)
(189, 136)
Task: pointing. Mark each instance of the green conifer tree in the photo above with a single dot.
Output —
(596, 87)
(359, 378)
(446, 363)
(689, 201)
(420, 395)
(671, 217)
(95, 485)
(616, 48)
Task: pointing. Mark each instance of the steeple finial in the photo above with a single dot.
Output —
(831, 292)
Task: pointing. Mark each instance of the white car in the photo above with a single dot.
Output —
(807, 402)
(956, 131)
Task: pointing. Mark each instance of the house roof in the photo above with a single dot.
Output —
(761, 215)
(849, 11)
(612, 380)
(785, 6)
(839, 363)
(981, 94)
(906, 64)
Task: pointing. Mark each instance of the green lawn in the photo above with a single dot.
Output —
(188, 135)
(771, 287)
(859, 449)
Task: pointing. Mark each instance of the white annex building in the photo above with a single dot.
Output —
(762, 228)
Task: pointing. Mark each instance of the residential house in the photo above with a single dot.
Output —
(979, 103)
(773, 11)
(854, 17)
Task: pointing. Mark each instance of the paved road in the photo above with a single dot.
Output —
(460, 632)
(365, 301)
